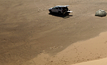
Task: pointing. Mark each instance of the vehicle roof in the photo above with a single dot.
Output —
(62, 6)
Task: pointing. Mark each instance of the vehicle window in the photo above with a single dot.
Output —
(60, 8)
(56, 8)
(65, 8)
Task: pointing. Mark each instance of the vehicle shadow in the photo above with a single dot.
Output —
(60, 15)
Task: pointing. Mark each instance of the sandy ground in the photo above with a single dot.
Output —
(29, 35)
(95, 62)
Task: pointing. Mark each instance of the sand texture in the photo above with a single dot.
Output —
(29, 35)
(95, 62)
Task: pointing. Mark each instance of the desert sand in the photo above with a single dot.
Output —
(95, 62)
(29, 35)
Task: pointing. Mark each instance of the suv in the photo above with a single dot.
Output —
(60, 9)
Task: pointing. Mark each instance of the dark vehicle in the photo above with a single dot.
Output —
(60, 9)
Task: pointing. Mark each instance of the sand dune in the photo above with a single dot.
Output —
(29, 35)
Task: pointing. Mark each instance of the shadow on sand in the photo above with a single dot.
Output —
(60, 15)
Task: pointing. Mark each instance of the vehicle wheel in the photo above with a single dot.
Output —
(50, 11)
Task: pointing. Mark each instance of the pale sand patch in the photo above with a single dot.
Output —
(94, 62)
(90, 49)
